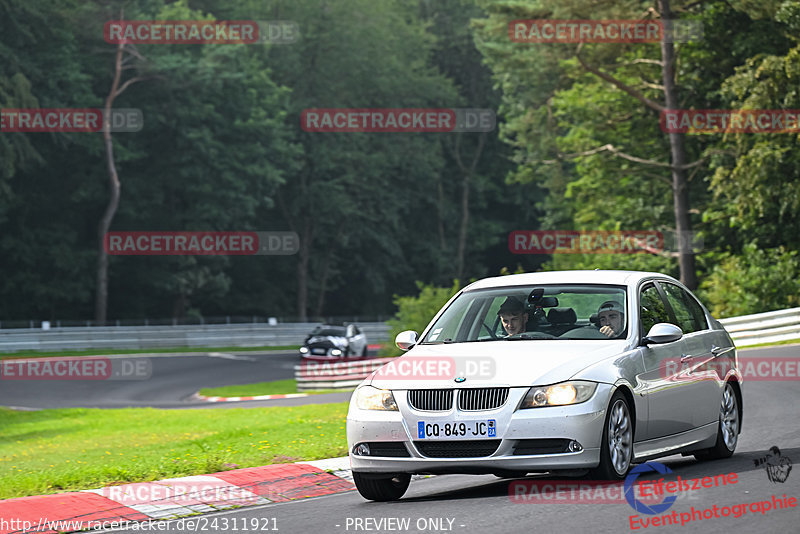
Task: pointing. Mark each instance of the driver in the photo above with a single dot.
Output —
(513, 316)
(611, 316)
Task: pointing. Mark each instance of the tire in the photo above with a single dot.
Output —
(364, 352)
(727, 428)
(388, 488)
(616, 449)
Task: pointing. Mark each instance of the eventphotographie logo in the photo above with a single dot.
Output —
(775, 464)
(638, 505)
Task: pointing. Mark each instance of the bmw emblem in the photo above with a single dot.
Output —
(460, 379)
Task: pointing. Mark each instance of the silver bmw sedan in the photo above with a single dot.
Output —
(549, 372)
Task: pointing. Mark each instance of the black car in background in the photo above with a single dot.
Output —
(332, 342)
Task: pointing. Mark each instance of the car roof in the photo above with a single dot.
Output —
(624, 278)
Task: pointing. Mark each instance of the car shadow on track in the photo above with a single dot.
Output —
(686, 467)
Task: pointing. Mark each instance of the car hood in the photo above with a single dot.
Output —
(494, 363)
(335, 341)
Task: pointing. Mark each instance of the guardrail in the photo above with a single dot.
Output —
(746, 330)
(151, 337)
(781, 325)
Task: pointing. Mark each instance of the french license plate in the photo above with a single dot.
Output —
(486, 428)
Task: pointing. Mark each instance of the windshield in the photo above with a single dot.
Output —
(534, 312)
(328, 331)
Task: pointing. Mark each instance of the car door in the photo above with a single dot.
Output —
(360, 341)
(669, 407)
(697, 358)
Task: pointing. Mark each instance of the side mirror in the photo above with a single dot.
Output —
(406, 340)
(662, 333)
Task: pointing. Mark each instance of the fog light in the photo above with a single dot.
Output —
(336, 352)
(574, 446)
(362, 449)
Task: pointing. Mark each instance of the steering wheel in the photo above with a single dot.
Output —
(536, 335)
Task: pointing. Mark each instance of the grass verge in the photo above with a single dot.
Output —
(107, 352)
(78, 448)
(276, 387)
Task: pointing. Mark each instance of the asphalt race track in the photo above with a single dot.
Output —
(172, 382)
(481, 504)
(460, 503)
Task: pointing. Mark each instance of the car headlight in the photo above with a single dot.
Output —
(303, 350)
(336, 352)
(561, 394)
(370, 398)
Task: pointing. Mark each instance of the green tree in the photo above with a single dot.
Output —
(415, 312)
(757, 280)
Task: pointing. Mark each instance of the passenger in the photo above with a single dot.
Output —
(513, 316)
(611, 316)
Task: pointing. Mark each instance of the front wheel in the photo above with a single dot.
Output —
(385, 488)
(616, 450)
(728, 429)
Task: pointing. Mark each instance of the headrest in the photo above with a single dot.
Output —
(561, 316)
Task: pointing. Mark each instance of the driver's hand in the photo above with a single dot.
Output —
(608, 331)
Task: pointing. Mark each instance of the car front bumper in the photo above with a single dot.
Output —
(516, 430)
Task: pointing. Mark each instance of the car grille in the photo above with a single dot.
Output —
(473, 400)
(541, 446)
(431, 400)
(458, 449)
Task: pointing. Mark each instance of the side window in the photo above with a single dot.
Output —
(697, 312)
(689, 314)
(356, 331)
(652, 308)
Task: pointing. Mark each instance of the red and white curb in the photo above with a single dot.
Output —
(177, 497)
(254, 397)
